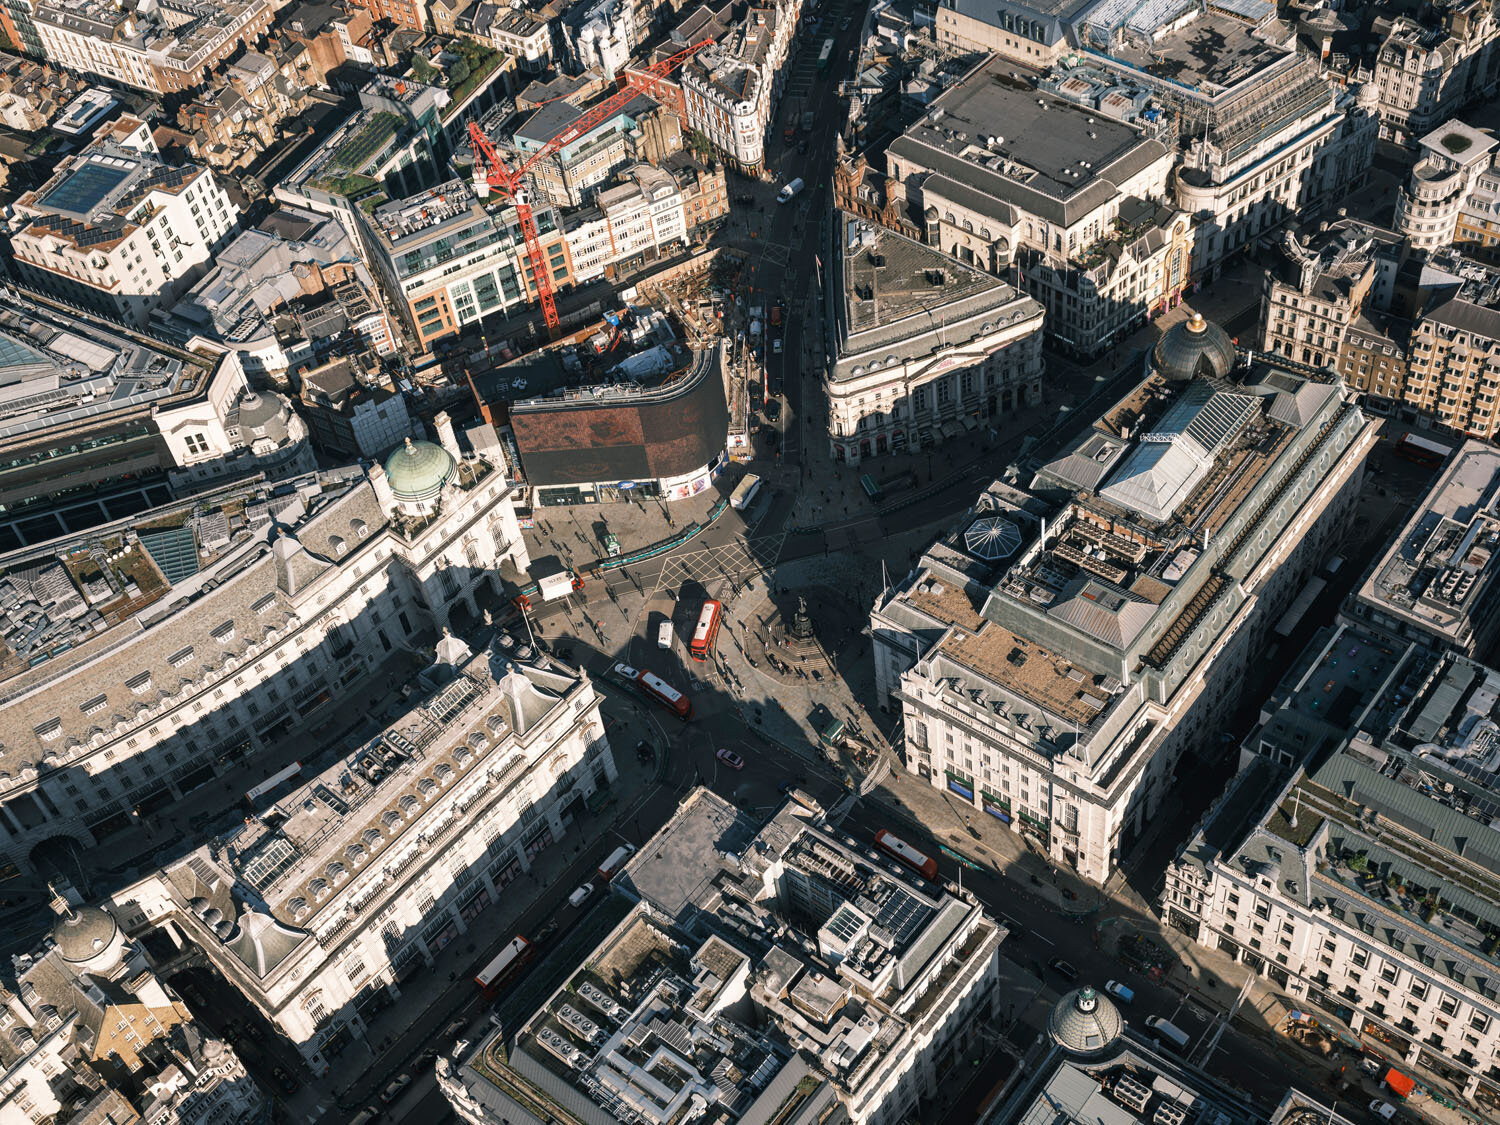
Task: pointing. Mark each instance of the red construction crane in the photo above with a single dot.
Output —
(512, 184)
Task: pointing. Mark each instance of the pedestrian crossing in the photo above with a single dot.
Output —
(718, 565)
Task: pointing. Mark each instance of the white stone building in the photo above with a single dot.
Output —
(644, 213)
(232, 430)
(731, 89)
(150, 46)
(602, 35)
(1264, 135)
(924, 346)
(1067, 203)
(1060, 654)
(1439, 188)
(1425, 73)
(347, 887)
(1360, 885)
(118, 230)
(88, 1022)
(764, 971)
(273, 624)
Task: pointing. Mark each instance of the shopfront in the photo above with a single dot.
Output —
(538, 841)
(961, 785)
(1038, 827)
(472, 905)
(997, 807)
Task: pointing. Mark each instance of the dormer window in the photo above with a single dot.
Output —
(140, 684)
(180, 657)
(224, 634)
(95, 705)
(264, 604)
(50, 730)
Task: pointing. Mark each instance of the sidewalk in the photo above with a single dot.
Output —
(574, 533)
(443, 992)
(1206, 974)
(832, 491)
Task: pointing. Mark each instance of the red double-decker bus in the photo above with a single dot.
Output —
(655, 688)
(707, 630)
(508, 963)
(1424, 451)
(898, 848)
(665, 694)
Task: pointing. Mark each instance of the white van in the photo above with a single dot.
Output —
(580, 894)
(790, 190)
(664, 635)
(1168, 1034)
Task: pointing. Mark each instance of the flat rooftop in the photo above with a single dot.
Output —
(812, 959)
(1213, 52)
(1346, 677)
(1002, 137)
(1443, 562)
(901, 299)
(1138, 1087)
(56, 370)
(91, 201)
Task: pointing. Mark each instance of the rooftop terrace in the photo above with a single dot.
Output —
(1443, 563)
(780, 962)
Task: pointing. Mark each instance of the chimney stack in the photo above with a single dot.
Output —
(383, 494)
(446, 437)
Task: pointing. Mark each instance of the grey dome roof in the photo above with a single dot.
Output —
(83, 934)
(1085, 1023)
(1192, 348)
(418, 470)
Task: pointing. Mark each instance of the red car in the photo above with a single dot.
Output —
(731, 759)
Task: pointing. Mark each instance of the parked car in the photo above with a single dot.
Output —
(643, 751)
(393, 1090)
(1370, 1066)
(776, 346)
(731, 759)
(1063, 969)
(772, 409)
(1382, 1109)
(1119, 991)
(580, 894)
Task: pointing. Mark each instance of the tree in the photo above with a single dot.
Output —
(421, 69)
(458, 72)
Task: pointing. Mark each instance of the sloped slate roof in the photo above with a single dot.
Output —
(1102, 610)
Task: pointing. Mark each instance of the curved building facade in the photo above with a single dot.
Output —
(596, 443)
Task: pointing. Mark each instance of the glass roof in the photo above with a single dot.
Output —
(13, 353)
(85, 188)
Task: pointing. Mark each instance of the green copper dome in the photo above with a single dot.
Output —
(418, 470)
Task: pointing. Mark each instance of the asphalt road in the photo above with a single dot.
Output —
(1040, 933)
(754, 788)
